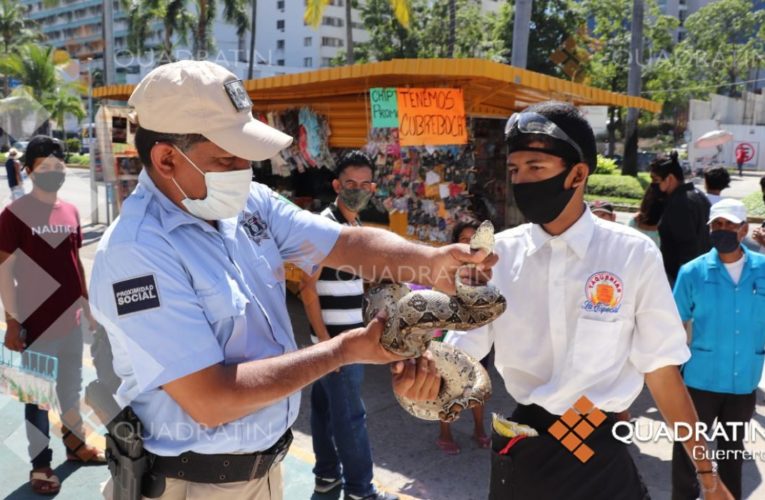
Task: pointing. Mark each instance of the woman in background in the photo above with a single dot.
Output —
(647, 219)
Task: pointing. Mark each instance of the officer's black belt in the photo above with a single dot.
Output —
(222, 468)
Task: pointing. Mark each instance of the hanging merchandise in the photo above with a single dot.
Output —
(430, 184)
(310, 146)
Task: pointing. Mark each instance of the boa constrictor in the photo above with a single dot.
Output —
(413, 315)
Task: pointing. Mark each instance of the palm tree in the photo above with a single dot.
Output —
(35, 67)
(234, 12)
(62, 103)
(38, 68)
(315, 9)
(175, 18)
(13, 31)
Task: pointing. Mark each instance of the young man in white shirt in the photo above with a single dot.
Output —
(590, 313)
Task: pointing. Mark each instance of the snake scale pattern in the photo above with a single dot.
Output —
(413, 315)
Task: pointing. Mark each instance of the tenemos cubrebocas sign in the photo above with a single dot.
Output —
(423, 116)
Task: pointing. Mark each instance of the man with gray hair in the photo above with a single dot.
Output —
(189, 284)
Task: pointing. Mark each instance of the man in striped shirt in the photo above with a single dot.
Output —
(332, 300)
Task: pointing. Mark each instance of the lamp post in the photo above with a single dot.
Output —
(92, 146)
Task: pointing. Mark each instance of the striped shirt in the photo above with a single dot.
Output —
(340, 293)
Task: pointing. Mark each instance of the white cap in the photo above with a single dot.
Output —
(729, 209)
(200, 97)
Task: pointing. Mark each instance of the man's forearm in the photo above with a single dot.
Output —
(675, 404)
(221, 394)
(377, 254)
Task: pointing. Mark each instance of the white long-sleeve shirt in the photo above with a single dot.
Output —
(589, 313)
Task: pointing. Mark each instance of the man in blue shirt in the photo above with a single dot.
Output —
(190, 286)
(722, 293)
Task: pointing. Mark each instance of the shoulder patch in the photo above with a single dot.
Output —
(136, 294)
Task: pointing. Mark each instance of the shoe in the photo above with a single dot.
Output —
(325, 485)
(378, 495)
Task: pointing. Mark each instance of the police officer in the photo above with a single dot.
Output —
(590, 313)
(190, 287)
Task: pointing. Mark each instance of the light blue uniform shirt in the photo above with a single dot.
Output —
(728, 341)
(176, 296)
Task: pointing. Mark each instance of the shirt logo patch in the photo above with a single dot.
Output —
(255, 227)
(136, 294)
(603, 292)
(238, 96)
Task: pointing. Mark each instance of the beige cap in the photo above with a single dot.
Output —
(200, 97)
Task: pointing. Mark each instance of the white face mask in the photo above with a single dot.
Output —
(227, 193)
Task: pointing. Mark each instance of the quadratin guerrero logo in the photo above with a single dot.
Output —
(574, 426)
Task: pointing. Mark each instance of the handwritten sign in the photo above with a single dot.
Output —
(431, 117)
(384, 103)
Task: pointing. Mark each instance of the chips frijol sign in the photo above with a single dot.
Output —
(431, 116)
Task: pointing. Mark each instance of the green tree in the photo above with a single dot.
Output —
(235, 12)
(608, 67)
(470, 37)
(35, 67)
(63, 102)
(314, 11)
(552, 23)
(726, 39)
(175, 18)
(14, 31)
(39, 69)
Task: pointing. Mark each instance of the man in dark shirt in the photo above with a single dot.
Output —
(683, 226)
(40, 238)
(13, 172)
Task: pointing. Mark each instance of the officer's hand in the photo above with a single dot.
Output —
(416, 379)
(362, 345)
(13, 339)
(451, 257)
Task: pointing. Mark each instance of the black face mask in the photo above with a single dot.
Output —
(49, 181)
(543, 201)
(724, 241)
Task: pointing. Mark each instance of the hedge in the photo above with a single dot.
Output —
(621, 186)
(754, 205)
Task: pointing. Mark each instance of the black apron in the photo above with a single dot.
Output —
(541, 468)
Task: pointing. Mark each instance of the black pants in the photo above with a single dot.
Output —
(725, 408)
(541, 468)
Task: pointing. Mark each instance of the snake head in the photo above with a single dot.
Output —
(483, 239)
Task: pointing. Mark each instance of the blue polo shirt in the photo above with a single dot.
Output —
(177, 295)
(728, 341)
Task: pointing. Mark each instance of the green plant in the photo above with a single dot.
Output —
(78, 159)
(605, 166)
(754, 204)
(73, 145)
(621, 186)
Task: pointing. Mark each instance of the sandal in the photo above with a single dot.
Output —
(44, 481)
(482, 441)
(448, 447)
(78, 451)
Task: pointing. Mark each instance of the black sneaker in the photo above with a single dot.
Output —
(379, 495)
(325, 485)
